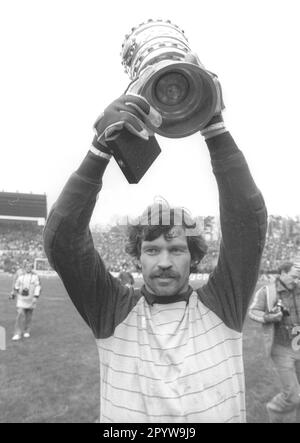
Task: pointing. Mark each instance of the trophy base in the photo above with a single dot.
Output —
(134, 155)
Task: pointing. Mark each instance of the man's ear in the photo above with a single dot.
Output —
(137, 263)
(193, 265)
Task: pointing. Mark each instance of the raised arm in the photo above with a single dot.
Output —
(243, 218)
(99, 297)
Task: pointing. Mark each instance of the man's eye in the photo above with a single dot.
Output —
(177, 251)
(151, 251)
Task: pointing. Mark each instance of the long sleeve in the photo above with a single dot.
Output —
(14, 281)
(258, 307)
(99, 297)
(243, 219)
(37, 287)
(17, 283)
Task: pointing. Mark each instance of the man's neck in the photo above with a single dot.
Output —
(166, 299)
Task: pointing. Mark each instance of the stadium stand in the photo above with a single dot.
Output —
(283, 243)
(21, 237)
(15, 204)
(21, 224)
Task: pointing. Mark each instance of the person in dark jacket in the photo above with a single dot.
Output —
(167, 353)
(277, 307)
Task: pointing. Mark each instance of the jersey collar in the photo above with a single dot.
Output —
(165, 299)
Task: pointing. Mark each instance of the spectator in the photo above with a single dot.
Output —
(277, 307)
(27, 289)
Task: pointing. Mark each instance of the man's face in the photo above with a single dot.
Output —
(166, 263)
(28, 267)
(291, 279)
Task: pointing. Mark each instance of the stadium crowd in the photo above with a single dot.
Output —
(19, 241)
(24, 241)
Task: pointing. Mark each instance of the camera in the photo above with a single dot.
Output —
(25, 292)
(283, 308)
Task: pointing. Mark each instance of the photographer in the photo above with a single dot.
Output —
(277, 307)
(27, 289)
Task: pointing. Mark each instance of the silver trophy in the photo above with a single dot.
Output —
(156, 55)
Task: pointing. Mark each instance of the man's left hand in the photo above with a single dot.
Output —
(130, 111)
(192, 57)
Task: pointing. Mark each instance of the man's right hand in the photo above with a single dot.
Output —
(129, 111)
(273, 317)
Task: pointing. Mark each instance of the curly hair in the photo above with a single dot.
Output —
(144, 230)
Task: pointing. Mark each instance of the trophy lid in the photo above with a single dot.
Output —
(151, 42)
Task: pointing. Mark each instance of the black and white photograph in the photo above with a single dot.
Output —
(149, 214)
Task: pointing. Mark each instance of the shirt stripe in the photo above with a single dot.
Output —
(172, 364)
(167, 349)
(175, 415)
(158, 397)
(208, 368)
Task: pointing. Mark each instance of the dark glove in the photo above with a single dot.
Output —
(216, 125)
(129, 111)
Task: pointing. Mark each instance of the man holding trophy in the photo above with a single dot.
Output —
(167, 353)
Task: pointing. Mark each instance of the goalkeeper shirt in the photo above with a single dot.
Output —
(165, 359)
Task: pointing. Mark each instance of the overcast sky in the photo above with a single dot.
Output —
(61, 66)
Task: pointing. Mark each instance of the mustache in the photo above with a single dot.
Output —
(164, 274)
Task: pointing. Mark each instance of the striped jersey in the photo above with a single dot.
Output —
(172, 363)
(165, 359)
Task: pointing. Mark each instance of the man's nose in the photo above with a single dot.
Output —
(164, 261)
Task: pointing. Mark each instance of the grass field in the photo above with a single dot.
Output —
(53, 376)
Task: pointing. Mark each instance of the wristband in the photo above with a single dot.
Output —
(99, 153)
(213, 130)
